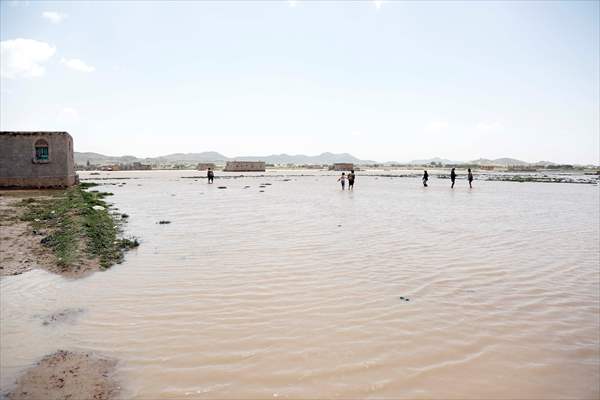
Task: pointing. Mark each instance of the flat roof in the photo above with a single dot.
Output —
(25, 133)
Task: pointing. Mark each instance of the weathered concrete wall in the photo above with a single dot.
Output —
(18, 167)
(245, 166)
(205, 166)
(343, 166)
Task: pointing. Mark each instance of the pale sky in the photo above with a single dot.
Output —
(382, 80)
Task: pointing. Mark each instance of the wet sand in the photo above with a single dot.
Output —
(20, 246)
(67, 375)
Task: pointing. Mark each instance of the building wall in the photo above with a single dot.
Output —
(245, 166)
(343, 166)
(205, 166)
(18, 167)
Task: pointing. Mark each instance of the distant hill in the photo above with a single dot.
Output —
(96, 158)
(298, 159)
(544, 163)
(499, 161)
(207, 156)
(211, 156)
(435, 160)
(484, 161)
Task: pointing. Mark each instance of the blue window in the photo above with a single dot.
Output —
(41, 151)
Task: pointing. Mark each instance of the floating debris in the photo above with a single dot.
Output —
(221, 187)
(98, 208)
(66, 315)
(163, 222)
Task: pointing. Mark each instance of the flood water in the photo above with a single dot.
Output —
(295, 291)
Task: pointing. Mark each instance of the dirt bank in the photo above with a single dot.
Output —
(67, 375)
(20, 246)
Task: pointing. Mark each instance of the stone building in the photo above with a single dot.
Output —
(205, 166)
(245, 166)
(342, 167)
(36, 160)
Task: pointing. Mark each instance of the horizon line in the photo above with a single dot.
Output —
(431, 159)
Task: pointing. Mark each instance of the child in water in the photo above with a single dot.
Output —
(351, 180)
(343, 180)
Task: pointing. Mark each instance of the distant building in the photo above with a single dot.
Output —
(36, 160)
(205, 166)
(487, 167)
(110, 167)
(245, 166)
(342, 167)
(136, 166)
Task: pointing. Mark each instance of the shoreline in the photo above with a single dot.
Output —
(74, 233)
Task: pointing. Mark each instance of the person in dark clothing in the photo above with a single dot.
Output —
(210, 175)
(452, 177)
(351, 180)
(470, 178)
(425, 178)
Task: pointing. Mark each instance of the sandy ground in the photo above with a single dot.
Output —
(20, 245)
(67, 375)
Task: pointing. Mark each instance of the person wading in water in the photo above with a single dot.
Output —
(343, 180)
(351, 180)
(452, 177)
(425, 178)
(470, 178)
(210, 175)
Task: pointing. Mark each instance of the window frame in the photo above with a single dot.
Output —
(41, 143)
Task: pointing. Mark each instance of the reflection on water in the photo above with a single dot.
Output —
(295, 292)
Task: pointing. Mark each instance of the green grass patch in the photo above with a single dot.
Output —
(87, 185)
(77, 228)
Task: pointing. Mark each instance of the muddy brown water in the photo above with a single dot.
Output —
(296, 291)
